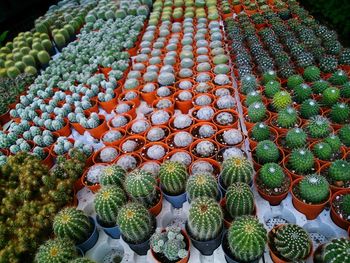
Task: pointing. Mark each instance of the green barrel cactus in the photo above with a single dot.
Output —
(344, 134)
(108, 200)
(239, 200)
(135, 223)
(345, 204)
(173, 177)
(113, 175)
(345, 90)
(322, 151)
(340, 112)
(313, 189)
(312, 74)
(334, 142)
(296, 138)
(287, 118)
(73, 224)
(292, 242)
(294, 81)
(267, 152)
(271, 88)
(339, 170)
(202, 184)
(318, 127)
(252, 97)
(330, 96)
(205, 219)
(257, 112)
(302, 92)
(43, 57)
(260, 132)
(248, 84)
(236, 169)
(337, 251)
(281, 100)
(141, 186)
(320, 86)
(338, 78)
(268, 76)
(272, 175)
(247, 239)
(301, 161)
(309, 108)
(57, 250)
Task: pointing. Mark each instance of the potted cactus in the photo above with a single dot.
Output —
(112, 175)
(202, 184)
(205, 224)
(310, 195)
(300, 162)
(340, 208)
(289, 243)
(137, 226)
(108, 200)
(56, 250)
(244, 241)
(337, 174)
(73, 224)
(173, 177)
(337, 251)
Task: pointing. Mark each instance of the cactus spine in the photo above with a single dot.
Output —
(202, 184)
(314, 189)
(337, 251)
(112, 174)
(173, 177)
(236, 169)
(239, 200)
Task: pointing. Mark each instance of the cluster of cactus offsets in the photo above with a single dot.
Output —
(322, 150)
(314, 189)
(336, 251)
(339, 170)
(296, 138)
(272, 175)
(318, 127)
(344, 134)
(287, 117)
(247, 238)
(267, 152)
(73, 224)
(56, 251)
(135, 222)
(239, 200)
(141, 186)
(205, 219)
(202, 184)
(236, 169)
(173, 177)
(309, 108)
(301, 161)
(292, 242)
(113, 175)
(345, 204)
(260, 132)
(340, 113)
(281, 100)
(257, 112)
(108, 201)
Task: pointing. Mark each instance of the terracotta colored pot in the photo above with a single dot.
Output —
(216, 165)
(212, 97)
(137, 138)
(111, 127)
(222, 144)
(237, 8)
(65, 131)
(155, 210)
(129, 126)
(170, 142)
(105, 71)
(100, 130)
(80, 129)
(108, 106)
(345, 224)
(172, 152)
(117, 142)
(135, 155)
(144, 155)
(235, 123)
(136, 100)
(148, 97)
(311, 211)
(253, 143)
(195, 128)
(194, 144)
(5, 118)
(48, 161)
(133, 51)
(96, 156)
(273, 199)
(183, 106)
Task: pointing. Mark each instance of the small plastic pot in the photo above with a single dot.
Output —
(92, 240)
(339, 221)
(96, 156)
(113, 232)
(108, 106)
(144, 150)
(253, 143)
(175, 200)
(157, 208)
(193, 148)
(170, 142)
(48, 161)
(194, 130)
(80, 129)
(111, 127)
(136, 100)
(235, 123)
(114, 143)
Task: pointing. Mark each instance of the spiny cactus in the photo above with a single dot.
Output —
(112, 175)
(330, 96)
(328, 63)
(334, 142)
(287, 117)
(340, 112)
(302, 92)
(260, 132)
(108, 201)
(292, 242)
(294, 81)
(252, 97)
(56, 251)
(339, 170)
(322, 150)
(257, 112)
(173, 177)
(313, 189)
(82, 260)
(202, 184)
(247, 238)
(344, 134)
(318, 127)
(73, 224)
(301, 161)
(296, 138)
(338, 78)
(345, 90)
(272, 175)
(135, 223)
(345, 204)
(267, 151)
(337, 251)
(271, 88)
(239, 200)
(281, 100)
(320, 86)
(248, 84)
(236, 169)
(269, 76)
(312, 74)
(141, 186)
(309, 108)
(205, 219)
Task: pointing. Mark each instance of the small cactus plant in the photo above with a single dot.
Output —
(313, 189)
(318, 127)
(287, 117)
(73, 224)
(257, 112)
(330, 96)
(272, 175)
(334, 142)
(294, 81)
(336, 251)
(112, 175)
(344, 134)
(301, 161)
(345, 204)
(173, 177)
(56, 250)
(340, 113)
(135, 223)
(260, 132)
(281, 100)
(322, 151)
(296, 138)
(247, 239)
(202, 184)
(267, 151)
(205, 219)
(239, 200)
(339, 170)
(309, 108)
(236, 169)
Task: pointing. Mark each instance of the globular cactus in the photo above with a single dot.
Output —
(202, 184)
(82, 260)
(73, 224)
(320, 86)
(344, 134)
(239, 200)
(294, 81)
(301, 161)
(345, 90)
(13, 72)
(340, 112)
(236, 169)
(43, 57)
(57, 125)
(205, 219)
(135, 223)
(252, 97)
(248, 84)
(269, 76)
(247, 239)
(287, 118)
(281, 100)
(141, 186)
(260, 132)
(338, 78)
(318, 127)
(56, 251)
(337, 251)
(266, 152)
(292, 242)
(345, 204)
(328, 63)
(166, 79)
(108, 200)
(302, 92)
(312, 73)
(334, 142)
(322, 150)
(271, 88)
(60, 40)
(314, 189)
(173, 177)
(272, 175)
(309, 108)
(112, 175)
(257, 112)
(339, 170)
(330, 96)
(295, 138)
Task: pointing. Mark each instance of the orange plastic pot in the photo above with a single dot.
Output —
(311, 211)
(132, 111)
(172, 127)
(170, 154)
(155, 210)
(196, 109)
(183, 106)
(65, 131)
(215, 164)
(96, 156)
(133, 51)
(129, 126)
(48, 161)
(195, 128)
(220, 132)
(108, 106)
(105, 71)
(117, 142)
(339, 221)
(5, 118)
(101, 129)
(136, 100)
(237, 8)
(80, 129)
(148, 97)
(144, 150)
(140, 140)
(94, 107)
